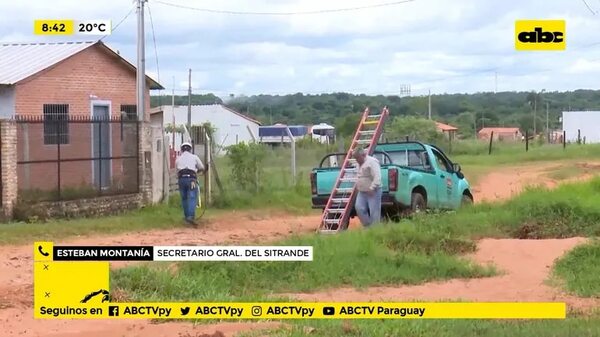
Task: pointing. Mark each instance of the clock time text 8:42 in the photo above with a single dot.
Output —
(53, 27)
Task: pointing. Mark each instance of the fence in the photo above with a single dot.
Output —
(176, 138)
(66, 157)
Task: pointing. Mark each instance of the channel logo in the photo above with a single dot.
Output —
(540, 35)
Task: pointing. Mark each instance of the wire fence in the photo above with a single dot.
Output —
(64, 157)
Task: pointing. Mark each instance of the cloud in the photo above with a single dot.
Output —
(437, 45)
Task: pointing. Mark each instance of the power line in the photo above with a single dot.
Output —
(154, 40)
(322, 11)
(120, 22)
(588, 7)
(155, 49)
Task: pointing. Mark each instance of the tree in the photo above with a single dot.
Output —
(415, 128)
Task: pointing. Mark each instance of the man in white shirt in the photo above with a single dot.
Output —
(368, 185)
(188, 165)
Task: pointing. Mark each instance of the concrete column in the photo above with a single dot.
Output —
(145, 164)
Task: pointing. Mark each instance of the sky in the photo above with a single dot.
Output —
(437, 46)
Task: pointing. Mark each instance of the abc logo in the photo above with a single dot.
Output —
(540, 35)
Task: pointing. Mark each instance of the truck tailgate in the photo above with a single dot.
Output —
(326, 178)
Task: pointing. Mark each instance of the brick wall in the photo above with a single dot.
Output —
(109, 205)
(8, 139)
(90, 72)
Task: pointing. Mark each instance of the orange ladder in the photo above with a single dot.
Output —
(336, 214)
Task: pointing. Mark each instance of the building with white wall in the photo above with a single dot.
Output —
(231, 126)
(586, 122)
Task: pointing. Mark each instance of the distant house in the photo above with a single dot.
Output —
(582, 124)
(323, 133)
(449, 130)
(501, 134)
(55, 89)
(277, 133)
(231, 127)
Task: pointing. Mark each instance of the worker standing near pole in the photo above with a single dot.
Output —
(188, 166)
(368, 184)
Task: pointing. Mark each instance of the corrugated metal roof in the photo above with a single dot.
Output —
(497, 130)
(19, 61)
(446, 127)
(200, 110)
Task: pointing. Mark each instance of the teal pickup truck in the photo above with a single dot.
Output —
(415, 176)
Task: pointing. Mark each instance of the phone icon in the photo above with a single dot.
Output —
(40, 249)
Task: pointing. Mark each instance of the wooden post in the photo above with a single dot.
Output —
(564, 140)
(491, 139)
(207, 163)
(578, 136)
(526, 140)
(407, 138)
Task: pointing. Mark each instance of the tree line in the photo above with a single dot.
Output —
(468, 112)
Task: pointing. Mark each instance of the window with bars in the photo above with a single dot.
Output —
(56, 124)
(130, 111)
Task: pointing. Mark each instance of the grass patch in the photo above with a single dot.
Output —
(503, 154)
(414, 251)
(385, 255)
(278, 187)
(581, 327)
(564, 172)
(578, 271)
(152, 217)
(567, 211)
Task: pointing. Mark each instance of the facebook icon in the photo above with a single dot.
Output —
(113, 310)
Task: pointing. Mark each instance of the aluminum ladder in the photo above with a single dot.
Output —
(336, 214)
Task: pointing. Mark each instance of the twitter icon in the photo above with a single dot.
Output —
(185, 311)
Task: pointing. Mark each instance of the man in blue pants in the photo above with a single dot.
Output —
(188, 165)
(368, 186)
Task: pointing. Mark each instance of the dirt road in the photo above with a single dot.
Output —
(526, 264)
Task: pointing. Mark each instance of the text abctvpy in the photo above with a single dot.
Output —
(301, 310)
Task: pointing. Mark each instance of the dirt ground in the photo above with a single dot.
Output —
(525, 264)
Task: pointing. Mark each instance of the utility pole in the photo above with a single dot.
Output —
(429, 104)
(547, 128)
(173, 112)
(141, 59)
(534, 114)
(495, 82)
(140, 93)
(189, 116)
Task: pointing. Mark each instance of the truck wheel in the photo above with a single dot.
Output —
(418, 203)
(466, 200)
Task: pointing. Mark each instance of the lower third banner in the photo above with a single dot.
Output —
(383, 310)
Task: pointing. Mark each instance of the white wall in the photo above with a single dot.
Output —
(230, 127)
(7, 101)
(588, 122)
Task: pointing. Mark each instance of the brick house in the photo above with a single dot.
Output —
(55, 91)
(448, 130)
(501, 134)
